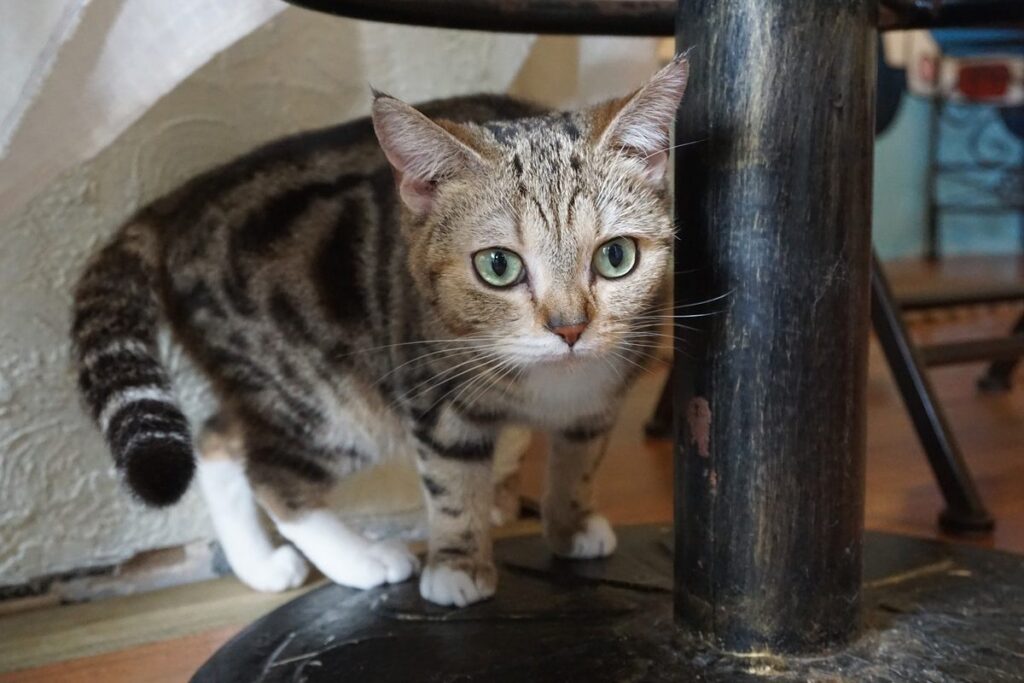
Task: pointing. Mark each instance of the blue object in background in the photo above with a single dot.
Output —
(979, 42)
(1013, 119)
(971, 133)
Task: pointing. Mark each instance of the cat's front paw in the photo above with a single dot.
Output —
(282, 570)
(399, 564)
(369, 566)
(592, 538)
(458, 582)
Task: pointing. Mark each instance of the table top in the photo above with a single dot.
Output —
(611, 620)
(632, 17)
(570, 17)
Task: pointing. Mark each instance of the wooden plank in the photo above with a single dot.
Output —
(165, 661)
(75, 631)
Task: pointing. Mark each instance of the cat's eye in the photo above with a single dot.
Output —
(499, 267)
(615, 258)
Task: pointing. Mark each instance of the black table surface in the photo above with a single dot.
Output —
(631, 17)
(571, 17)
(933, 612)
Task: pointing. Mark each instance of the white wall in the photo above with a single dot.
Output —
(61, 505)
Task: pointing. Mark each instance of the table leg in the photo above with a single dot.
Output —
(774, 206)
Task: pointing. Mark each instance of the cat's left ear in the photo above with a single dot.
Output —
(639, 124)
(422, 152)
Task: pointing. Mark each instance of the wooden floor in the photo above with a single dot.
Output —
(164, 637)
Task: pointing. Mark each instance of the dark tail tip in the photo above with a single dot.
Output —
(159, 472)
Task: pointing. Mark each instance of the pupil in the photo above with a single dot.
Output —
(615, 255)
(498, 263)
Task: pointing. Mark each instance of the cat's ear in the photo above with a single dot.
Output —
(422, 152)
(639, 124)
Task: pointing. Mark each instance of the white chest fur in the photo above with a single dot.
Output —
(559, 396)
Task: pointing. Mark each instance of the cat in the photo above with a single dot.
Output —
(406, 283)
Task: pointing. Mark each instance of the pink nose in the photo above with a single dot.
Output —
(569, 333)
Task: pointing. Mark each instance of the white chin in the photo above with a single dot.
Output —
(564, 357)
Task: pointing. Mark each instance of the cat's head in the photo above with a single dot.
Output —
(549, 238)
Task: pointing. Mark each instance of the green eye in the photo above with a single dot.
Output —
(498, 267)
(615, 258)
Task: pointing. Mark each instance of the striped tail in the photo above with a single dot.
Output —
(114, 336)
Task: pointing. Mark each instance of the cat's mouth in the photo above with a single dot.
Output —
(568, 357)
(546, 352)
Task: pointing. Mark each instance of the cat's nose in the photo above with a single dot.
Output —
(569, 332)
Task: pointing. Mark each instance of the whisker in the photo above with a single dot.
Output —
(468, 341)
(685, 315)
(671, 310)
(612, 366)
(627, 359)
(443, 353)
(705, 301)
(681, 144)
(445, 376)
(653, 343)
(643, 345)
(497, 374)
(463, 388)
(662, 323)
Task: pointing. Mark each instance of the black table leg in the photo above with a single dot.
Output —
(964, 513)
(774, 205)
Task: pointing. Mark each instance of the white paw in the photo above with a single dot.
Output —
(399, 563)
(369, 566)
(282, 570)
(344, 556)
(596, 539)
(507, 506)
(454, 584)
(499, 517)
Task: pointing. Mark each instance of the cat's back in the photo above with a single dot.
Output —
(349, 149)
(297, 240)
(323, 202)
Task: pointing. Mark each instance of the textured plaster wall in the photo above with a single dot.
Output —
(61, 505)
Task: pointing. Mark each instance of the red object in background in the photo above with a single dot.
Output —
(983, 81)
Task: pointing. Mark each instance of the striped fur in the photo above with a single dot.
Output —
(325, 285)
(120, 377)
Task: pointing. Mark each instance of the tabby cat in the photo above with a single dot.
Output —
(407, 283)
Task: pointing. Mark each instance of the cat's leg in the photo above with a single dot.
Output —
(455, 462)
(236, 518)
(571, 525)
(507, 505)
(294, 488)
(508, 460)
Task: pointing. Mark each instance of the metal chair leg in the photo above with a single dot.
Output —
(965, 513)
(999, 375)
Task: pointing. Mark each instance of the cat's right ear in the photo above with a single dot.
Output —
(422, 152)
(639, 125)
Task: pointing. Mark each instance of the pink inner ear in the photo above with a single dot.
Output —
(656, 163)
(417, 194)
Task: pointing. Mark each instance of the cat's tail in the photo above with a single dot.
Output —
(114, 328)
